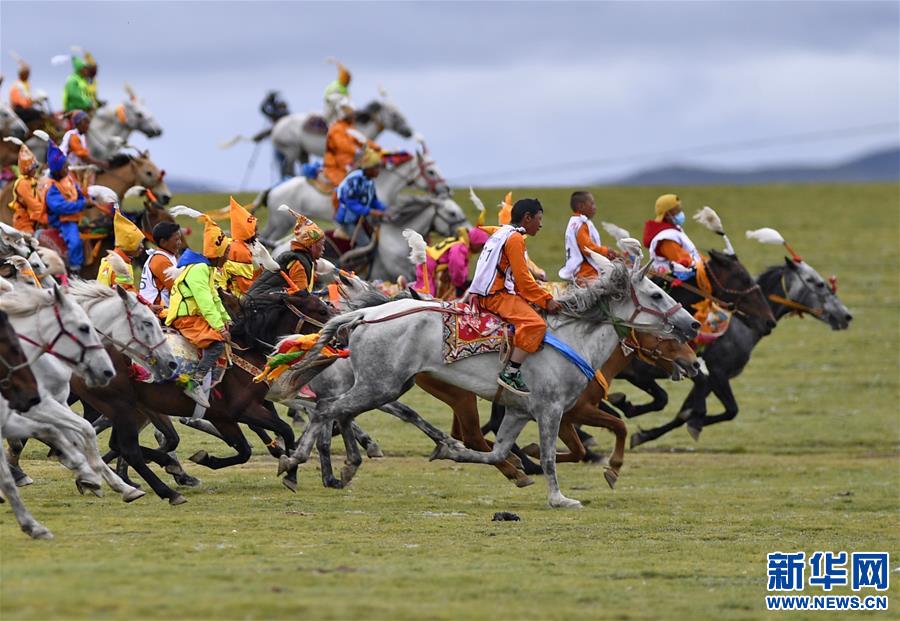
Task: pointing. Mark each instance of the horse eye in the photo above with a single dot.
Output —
(149, 174)
(820, 284)
(657, 296)
(148, 324)
(84, 329)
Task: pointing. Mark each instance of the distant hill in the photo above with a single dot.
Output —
(179, 185)
(883, 166)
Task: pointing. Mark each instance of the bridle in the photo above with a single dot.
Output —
(128, 349)
(303, 317)
(796, 307)
(47, 348)
(738, 294)
(639, 308)
(631, 344)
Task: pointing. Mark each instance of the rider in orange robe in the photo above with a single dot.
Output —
(28, 208)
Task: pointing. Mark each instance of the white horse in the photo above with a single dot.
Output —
(401, 170)
(297, 136)
(10, 123)
(111, 126)
(392, 343)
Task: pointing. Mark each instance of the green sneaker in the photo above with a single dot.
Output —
(512, 381)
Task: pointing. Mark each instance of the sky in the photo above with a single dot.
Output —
(505, 93)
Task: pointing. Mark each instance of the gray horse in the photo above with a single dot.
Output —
(391, 344)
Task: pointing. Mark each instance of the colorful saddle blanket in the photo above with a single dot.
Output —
(471, 331)
(186, 356)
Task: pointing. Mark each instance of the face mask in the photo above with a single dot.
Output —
(678, 219)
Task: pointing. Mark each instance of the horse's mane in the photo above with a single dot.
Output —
(590, 302)
(364, 115)
(90, 289)
(23, 300)
(373, 297)
(409, 209)
(120, 159)
(769, 279)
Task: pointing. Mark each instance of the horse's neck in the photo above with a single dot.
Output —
(117, 179)
(105, 125)
(594, 342)
(390, 182)
(616, 363)
(776, 286)
(370, 129)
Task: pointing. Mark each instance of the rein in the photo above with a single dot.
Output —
(304, 318)
(650, 356)
(796, 307)
(126, 348)
(48, 347)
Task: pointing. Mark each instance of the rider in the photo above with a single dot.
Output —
(273, 107)
(155, 283)
(671, 250)
(582, 236)
(196, 310)
(335, 92)
(129, 243)
(74, 144)
(80, 91)
(20, 95)
(298, 263)
(357, 199)
(343, 145)
(65, 203)
(238, 272)
(506, 287)
(447, 263)
(29, 212)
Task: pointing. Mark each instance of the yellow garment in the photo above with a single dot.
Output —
(243, 224)
(665, 204)
(214, 241)
(109, 277)
(370, 158)
(128, 236)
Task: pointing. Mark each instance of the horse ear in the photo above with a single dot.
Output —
(57, 294)
(790, 263)
(121, 292)
(645, 270)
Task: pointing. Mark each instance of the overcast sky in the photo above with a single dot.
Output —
(494, 87)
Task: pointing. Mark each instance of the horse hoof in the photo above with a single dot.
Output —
(524, 481)
(694, 432)
(291, 484)
(373, 451)
(565, 503)
(81, 485)
(441, 451)
(186, 480)
(532, 450)
(286, 463)
(596, 459)
(637, 439)
(611, 477)
(347, 474)
(618, 399)
(177, 499)
(133, 494)
(40, 532)
(24, 481)
(199, 457)
(332, 483)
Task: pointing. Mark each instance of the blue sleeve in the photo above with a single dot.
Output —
(354, 205)
(377, 205)
(59, 206)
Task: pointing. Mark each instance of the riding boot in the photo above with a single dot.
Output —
(202, 376)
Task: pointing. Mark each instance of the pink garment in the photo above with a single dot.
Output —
(457, 261)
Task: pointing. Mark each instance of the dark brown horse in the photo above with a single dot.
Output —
(237, 399)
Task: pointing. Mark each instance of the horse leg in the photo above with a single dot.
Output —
(548, 427)
(126, 432)
(506, 436)
(646, 435)
(15, 452)
(27, 523)
(353, 459)
(493, 425)
(323, 446)
(721, 387)
(651, 387)
(589, 414)
(373, 451)
(234, 437)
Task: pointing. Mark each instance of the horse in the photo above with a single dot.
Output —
(297, 136)
(19, 391)
(126, 402)
(111, 126)
(789, 289)
(401, 170)
(385, 362)
(11, 124)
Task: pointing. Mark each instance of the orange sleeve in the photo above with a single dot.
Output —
(673, 251)
(298, 275)
(18, 99)
(77, 147)
(583, 237)
(158, 266)
(526, 285)
(28, 198)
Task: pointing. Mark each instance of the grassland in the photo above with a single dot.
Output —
(810, 463)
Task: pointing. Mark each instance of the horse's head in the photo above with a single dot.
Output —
(138, 117)
(430, 178)
(11, 124)
(448, 217)
(732, 283)
(675, 358)
(804, 285)
(17, 383)
(150, 176)
(655, 311)
(385, 114)
(13, 241)
(143, 336)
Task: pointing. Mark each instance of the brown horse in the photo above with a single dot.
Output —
(237, 399)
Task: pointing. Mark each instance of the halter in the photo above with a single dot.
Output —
(126, 348)
(737, 293)
(47, 348)
(797, 308)
(11, 369)
(650, 356)
(640, 308)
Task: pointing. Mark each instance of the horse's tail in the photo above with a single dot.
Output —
(346, 321)
(261, 199)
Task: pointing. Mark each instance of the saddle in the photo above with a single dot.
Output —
(322, 184)
(470, 330)
(187, 357)
(315, 124)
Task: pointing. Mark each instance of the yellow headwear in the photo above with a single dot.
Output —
(664, 204)
(343, 75)
(306, 232)
(505, 215)
(128, 236)
(243, 224)
(214, 241)
(27, 162)
(370, 158)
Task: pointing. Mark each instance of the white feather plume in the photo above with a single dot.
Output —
(13, 140)
(602, 261)
(118, 264)
(262, 258)
(710, 219)
(40, 133)
(55, 265)
(103, 194)
(288, 209)
(184, 210)
(60, 59)
(232, 141)
(417, 246)
(475, 200)
(766, 235)
(173, 272)
(135, 190)
(631, 247)
(616, 231)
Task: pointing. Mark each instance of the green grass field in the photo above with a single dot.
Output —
(811, 463)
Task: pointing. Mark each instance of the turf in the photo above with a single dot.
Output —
(809, 464)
